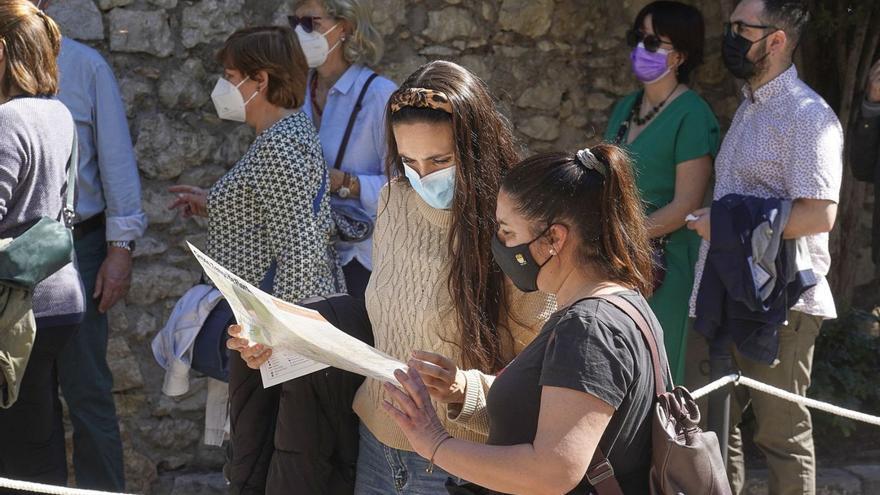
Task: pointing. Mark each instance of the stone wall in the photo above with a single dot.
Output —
(557, 66)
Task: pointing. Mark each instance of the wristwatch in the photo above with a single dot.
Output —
(129, 245)
(345, 190)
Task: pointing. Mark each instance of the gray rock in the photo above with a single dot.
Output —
(140, 471)
(869, 476)
(200, 484)
(191, 402)
(540, 127)
(149, 246)
(154, 282)
(138, 93)
(166, 147)
(387, 15)
(78, 19)
(145, 327)
(123, 365)
(210, 21)
(155, 204)
(598, 101)
(129, 404)
(204, 176)
(828, 482)
(112, 4)
(529, 17)
(140, 31)
(451, 23)
(164, 4)
(545, 95)
(173, 434)
(185, 88)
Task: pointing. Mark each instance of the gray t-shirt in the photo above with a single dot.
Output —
(35, 144)
(591, 347)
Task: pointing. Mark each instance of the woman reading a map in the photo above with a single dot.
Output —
(435, 285)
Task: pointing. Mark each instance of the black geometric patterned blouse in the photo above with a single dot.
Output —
(265, 209)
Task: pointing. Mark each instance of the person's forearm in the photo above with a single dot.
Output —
(516, 469)
(810, 217)
(669, 218)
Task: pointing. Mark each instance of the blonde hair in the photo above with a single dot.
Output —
(364, 45)
(31, 43)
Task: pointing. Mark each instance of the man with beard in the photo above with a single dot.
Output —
(784, 142)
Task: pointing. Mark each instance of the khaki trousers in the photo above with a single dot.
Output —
(784, 431)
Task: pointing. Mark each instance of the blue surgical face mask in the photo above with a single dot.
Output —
(436, 188)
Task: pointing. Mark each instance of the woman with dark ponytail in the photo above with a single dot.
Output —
(573, 226)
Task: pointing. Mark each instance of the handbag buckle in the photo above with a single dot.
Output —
(605, 471)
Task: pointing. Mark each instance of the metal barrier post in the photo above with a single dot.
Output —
(720, 366)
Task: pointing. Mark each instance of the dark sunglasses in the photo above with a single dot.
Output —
(652, 43)
(737, 27)
(307, 22)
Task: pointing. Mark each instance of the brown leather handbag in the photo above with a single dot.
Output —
(685, 460)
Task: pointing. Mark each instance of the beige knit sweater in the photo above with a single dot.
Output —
(410, 308)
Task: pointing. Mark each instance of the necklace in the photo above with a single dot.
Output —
(637, 108)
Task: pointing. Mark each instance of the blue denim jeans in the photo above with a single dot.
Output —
(382, 470)
(87, 384)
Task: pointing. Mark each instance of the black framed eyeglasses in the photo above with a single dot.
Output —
(652, 43)
(737, 27)
(307, 22)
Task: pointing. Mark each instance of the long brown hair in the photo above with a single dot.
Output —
(603, 208)
(31, 43)
(484, 150)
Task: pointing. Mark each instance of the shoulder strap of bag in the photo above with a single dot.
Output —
(600, 474)
(68, 211)
(354, 113)
(645, 329)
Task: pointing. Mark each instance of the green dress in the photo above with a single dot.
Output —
(685, 130)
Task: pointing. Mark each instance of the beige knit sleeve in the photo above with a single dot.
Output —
(528, 313)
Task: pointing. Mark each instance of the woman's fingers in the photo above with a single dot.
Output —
(183, 188)
(430, 370)
(234, 330)
(399, 416)
(432, 357)
(402, 401)
(414, 386)
(255, 362)
(237, 344)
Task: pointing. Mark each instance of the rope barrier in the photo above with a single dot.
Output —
(27, 486)
(708, 389)
(737, 379)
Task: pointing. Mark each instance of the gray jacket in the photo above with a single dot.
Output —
(35, 146)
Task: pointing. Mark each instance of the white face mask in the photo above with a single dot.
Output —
(228, 101)
(314, 45)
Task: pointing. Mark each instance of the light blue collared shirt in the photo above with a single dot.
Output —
(365, 154)
(108, 175)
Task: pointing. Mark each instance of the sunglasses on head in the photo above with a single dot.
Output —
(652, 43)
(307, 22)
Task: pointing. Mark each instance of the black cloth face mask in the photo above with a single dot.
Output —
(734, 52)
(518, 263)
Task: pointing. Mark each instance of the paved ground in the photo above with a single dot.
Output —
(851, 480)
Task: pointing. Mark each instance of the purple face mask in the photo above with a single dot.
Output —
(649, 67)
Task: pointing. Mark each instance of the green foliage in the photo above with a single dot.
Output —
(846, 370)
